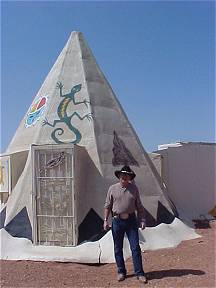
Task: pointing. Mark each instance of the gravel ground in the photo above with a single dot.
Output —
(191, 264)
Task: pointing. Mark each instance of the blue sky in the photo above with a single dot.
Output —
(157, 56)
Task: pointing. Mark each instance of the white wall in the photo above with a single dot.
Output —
(189, 173)
(156, 159)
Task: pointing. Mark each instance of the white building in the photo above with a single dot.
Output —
(188, 170)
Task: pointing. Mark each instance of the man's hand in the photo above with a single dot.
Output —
(142, 225)
(105, 225)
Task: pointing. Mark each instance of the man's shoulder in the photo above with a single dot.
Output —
(114, 186)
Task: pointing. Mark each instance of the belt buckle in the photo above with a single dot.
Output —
(124, 216)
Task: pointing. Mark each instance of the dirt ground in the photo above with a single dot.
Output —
(191, 264)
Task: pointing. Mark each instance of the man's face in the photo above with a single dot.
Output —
(124, 179)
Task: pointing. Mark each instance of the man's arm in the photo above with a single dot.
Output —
(107, 209)
(106, 213)
(140, 211)
(106, 217)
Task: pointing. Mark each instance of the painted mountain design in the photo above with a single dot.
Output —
(121, 154)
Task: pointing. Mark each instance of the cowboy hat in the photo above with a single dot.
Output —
(125, 170)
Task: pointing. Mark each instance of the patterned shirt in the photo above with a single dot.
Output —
(124, 200)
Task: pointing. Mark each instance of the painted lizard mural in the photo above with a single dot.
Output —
(63, 115)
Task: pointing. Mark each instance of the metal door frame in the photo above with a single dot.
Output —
(33, 148)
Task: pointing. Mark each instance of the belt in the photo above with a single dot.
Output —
(123, 216)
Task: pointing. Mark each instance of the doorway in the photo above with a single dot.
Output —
(53, 195)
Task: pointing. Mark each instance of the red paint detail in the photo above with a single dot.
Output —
(42, 103)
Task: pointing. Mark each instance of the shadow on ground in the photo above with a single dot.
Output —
(173, 273)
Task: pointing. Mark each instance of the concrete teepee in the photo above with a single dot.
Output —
(63, 157)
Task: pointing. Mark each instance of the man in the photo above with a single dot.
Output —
(123, 199)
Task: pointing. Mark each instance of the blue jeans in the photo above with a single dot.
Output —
(130, 227)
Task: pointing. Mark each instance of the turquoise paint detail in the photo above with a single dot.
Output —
(63, 116)
(36, 111)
